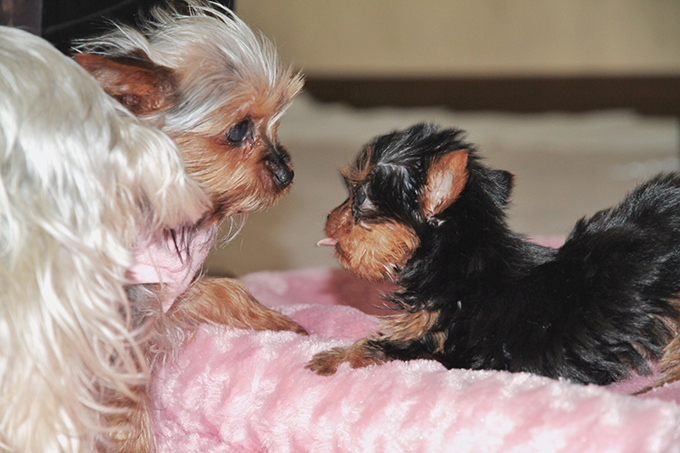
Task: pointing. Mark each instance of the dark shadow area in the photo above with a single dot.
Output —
(62, 21)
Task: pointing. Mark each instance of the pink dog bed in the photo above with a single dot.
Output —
(245, 391)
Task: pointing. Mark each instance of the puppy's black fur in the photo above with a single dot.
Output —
(592, 311)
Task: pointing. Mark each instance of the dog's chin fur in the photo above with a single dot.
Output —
(79, 178)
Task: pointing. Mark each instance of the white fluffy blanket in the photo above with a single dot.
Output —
(246, 391)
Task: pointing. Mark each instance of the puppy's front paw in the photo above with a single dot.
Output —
(327, 362)
(359, 355)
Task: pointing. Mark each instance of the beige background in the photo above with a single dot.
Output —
(472, 37)
(567, 165)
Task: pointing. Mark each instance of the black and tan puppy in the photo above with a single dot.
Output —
(425, 213)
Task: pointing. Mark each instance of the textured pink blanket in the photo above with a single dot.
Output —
(245, 391)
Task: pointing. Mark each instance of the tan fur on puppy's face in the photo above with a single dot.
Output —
(375, 246)
(373, 251)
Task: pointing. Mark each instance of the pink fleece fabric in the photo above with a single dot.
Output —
(245, 391)
(159, 261)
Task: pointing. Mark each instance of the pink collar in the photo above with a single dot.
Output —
(158, 260)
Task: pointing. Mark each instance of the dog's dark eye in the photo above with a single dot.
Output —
(239, 132)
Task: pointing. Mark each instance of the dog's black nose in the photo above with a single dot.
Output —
(279, 164)
(283, 176)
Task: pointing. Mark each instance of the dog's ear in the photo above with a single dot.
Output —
(504, 182)
(446, 179)
(140, 85)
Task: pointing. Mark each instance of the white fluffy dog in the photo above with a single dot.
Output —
(80, 179)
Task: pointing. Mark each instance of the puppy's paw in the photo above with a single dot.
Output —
(327, 362)
(360, 354)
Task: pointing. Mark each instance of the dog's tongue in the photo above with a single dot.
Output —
(327, 241)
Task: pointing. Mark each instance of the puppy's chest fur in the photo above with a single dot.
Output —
(495, 304)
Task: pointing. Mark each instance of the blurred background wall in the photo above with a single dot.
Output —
(501, 55)
(472, 37)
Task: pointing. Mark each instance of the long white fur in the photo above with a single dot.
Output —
(79, 179)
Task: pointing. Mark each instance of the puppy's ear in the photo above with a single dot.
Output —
(504, 181)
(137, 83)
(446, 179)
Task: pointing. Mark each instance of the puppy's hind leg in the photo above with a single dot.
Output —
(228, 302)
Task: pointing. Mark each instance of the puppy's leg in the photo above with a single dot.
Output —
(407, 336)
(227, 301)
(361, 354)
(670, 363)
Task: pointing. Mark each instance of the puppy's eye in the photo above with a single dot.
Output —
(361, 204)
(239, 132)
(360, 197)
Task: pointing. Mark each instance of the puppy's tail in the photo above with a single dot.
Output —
(627, 260)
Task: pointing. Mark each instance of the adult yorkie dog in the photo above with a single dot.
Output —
(425, 213)
(203, 77)
(79, 179)
(198, 73)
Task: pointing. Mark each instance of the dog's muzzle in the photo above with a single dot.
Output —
(279, 164)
